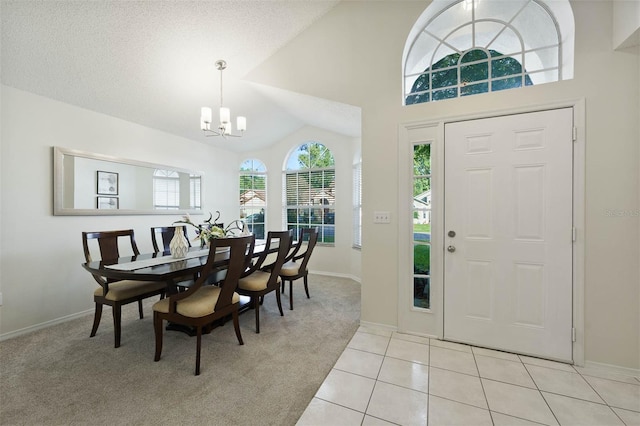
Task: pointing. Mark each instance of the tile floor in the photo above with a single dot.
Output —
(387, 378)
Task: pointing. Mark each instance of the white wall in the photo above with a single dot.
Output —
(626, 23)
(356, 50)
(40, 271)
(340, 259)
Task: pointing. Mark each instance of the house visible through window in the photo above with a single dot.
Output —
(309, 190)
(253, 196)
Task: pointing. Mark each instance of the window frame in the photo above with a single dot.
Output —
(327, 229)
(257, 170)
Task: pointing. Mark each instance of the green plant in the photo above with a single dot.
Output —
(421, 259)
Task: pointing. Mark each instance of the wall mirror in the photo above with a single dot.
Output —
(94, 184)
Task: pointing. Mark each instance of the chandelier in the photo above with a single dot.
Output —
(224, 129)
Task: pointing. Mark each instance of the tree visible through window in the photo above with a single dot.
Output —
(466, 47)
(309, 182)
(476, 71)
(422, 226)
(253, 196)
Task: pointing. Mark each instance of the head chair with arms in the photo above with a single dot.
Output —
(117, 293)
(261, 278)
(203, 304)
(295, 265)
(165, 233)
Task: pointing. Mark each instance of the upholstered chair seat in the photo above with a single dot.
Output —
(256, 282)
(121, 290)
(290, 269)
(200, 304)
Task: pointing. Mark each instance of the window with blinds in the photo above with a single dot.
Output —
(195, 200)
(309, 189)
(166, 190)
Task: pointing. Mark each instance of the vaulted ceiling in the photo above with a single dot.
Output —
(152, 62)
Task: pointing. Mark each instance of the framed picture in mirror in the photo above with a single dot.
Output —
(107, 183)
(108, 203)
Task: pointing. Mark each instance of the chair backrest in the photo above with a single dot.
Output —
(311, 236)
(283, 239)
(166, 234)
(240, 255)
(108, 243)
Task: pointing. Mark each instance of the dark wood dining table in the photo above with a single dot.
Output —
(162, 266)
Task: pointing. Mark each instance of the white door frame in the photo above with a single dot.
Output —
(431, 322)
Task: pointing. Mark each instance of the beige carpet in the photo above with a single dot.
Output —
(59, 376)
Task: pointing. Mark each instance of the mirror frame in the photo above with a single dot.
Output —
(58, 186)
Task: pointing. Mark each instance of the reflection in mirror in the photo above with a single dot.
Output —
(95, 184)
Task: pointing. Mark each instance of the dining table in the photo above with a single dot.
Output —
(162, 266)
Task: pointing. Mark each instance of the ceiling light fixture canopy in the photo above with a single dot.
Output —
(224, 128)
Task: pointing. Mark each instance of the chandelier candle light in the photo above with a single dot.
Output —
(224, 128)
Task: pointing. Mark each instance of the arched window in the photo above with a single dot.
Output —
(253, 196)
(466, 47)
(166, 189)
(309, 188)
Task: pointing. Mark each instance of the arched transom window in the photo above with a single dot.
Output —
(466, 47)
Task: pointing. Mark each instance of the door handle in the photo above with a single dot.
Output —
(451, 249)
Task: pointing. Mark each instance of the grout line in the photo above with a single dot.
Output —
(376, 380)
(516, 417)
(486, 400)
(429, 383)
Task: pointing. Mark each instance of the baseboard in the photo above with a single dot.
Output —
(337, 275)
(378, 325)
(613, 368)
(42, 325)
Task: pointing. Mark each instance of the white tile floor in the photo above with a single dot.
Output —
(385, 378)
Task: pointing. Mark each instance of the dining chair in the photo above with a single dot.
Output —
(295, 264)
(117, 293)
(261, 278)
(201, 305)
(165, 234)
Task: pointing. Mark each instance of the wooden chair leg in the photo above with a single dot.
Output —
(140, 309)
(198, 346)
(306, 286)
(291, 295)
(256, 307)
(157, 326)
(279, 301)
(236, 325)
(96, 319)
(117, 316)
(283, 281)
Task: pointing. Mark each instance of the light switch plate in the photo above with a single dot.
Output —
(381, 217)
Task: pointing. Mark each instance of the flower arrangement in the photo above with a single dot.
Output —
(210, 230)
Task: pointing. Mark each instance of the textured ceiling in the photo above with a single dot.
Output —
(152, 62)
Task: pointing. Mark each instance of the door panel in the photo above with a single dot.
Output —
(508, 197)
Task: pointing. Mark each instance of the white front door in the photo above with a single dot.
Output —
(508, 233)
